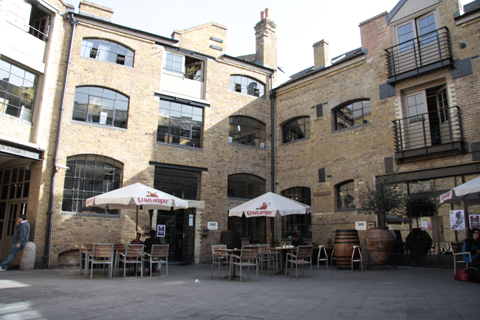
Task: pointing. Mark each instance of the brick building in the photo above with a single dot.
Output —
(90, 106)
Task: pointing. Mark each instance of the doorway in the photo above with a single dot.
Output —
(179, 234)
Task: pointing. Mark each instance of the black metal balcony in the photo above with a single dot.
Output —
(422, 54)
(433, 132)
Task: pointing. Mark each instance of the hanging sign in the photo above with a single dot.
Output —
(474, 221)
(161, 230)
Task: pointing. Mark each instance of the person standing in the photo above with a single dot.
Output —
(20, 238)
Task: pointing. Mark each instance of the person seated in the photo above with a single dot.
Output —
(137, 240)
(297, 240)
(148, 247)
(472, 245)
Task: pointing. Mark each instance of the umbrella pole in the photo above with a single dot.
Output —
(136, 223)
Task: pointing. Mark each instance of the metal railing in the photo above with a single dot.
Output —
(436, 128)
(419, 52)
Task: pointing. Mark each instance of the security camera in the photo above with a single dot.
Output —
(61, 167)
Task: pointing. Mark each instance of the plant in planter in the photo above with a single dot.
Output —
(386, 195)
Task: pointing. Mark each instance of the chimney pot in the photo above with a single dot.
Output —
(261, 15)
(266, 13)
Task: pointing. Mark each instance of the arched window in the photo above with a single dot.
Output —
(346, 195)
(296, 129)
(101, 106)
(89, 175)
(246, 186)
(105, 50)
(352, 114)
(246, 85)
(297, 223)
(248, 131)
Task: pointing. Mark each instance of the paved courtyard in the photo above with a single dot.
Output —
(409, 293)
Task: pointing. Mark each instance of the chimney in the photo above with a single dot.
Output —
(266, 41)
(320, 54)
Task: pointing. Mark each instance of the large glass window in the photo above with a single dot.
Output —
(297, 223)
(246, 186)
(109, 51)
(248, 131)
(352, 114)
(247, 85)
(89, 175)
(185, 66)
(184, 184)
(180, 124)
(346, 195)
(101, 106)
(296, 129)
(17, 91)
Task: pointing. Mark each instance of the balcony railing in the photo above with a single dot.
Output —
(425, 53)
(436, 131)
(180, 85)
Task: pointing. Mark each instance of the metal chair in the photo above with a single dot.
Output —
(248, 258)
(85, 249)
(321, 249)
(159, 255)
(265, 254)
(133, 255)
(219, 258)
(101, 254)
(456, 248)
(358, 249)
(303, 257)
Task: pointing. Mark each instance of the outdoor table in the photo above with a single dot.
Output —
(230, 251)
(283, 253)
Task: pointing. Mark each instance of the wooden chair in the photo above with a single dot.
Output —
(101, 254)
(265, 254)
(248, 258)
(321, 249)
(457, 250)
(133, 255)
(158, 255)
(303, 257)
(219, 258)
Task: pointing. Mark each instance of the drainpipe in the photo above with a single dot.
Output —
(46, 256)
(272, 156)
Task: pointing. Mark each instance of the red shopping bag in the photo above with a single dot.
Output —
(461, 274)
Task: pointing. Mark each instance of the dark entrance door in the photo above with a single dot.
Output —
(179, 229)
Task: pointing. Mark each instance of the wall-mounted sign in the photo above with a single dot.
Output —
(212, 225)
(361, 225)
(19, 152)
(457, 221)
(161, 230)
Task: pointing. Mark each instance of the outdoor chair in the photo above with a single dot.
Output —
(133, 255)
(219, 258)
(248, 258)
(332, 257)
(265, 254)
(158, 255)
(456, 251)
(359, 258)
(85, 248)
(101, 254)
(303, 257)
(321, 249)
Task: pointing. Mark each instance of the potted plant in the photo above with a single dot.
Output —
(385, 195)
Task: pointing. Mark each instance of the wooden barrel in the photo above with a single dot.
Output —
(344, 242)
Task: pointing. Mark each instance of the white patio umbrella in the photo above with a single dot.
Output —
(267, 205)
(135, 195)
(469, 192)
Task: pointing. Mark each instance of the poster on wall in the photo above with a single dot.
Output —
(161, 230)
(474, 221)
(426, 223)
(457, 222)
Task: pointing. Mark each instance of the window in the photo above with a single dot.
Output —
(247, 85)
(248, 131)
(184, 184)
(297, 223)
(101, 106)
(296, 129)
(346, 195)
(17, 91)
(423, 27)
(89, 175)
(185, 66)
(352, 114)
(180, 124)
(246, 186)
(109, 51)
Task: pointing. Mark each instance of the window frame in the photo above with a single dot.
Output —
(123, 122)
(186, 62)
(240, 87)
(286, 128)
(234, 187)
(169, 179)
(105, 54)
(257, 139)
(336, 111)
(84, 168)
(415, 23)
(289, 226)
(338, 196)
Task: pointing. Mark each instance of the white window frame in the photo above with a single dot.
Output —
(183, 67)
(18, 14)
(415, 23)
